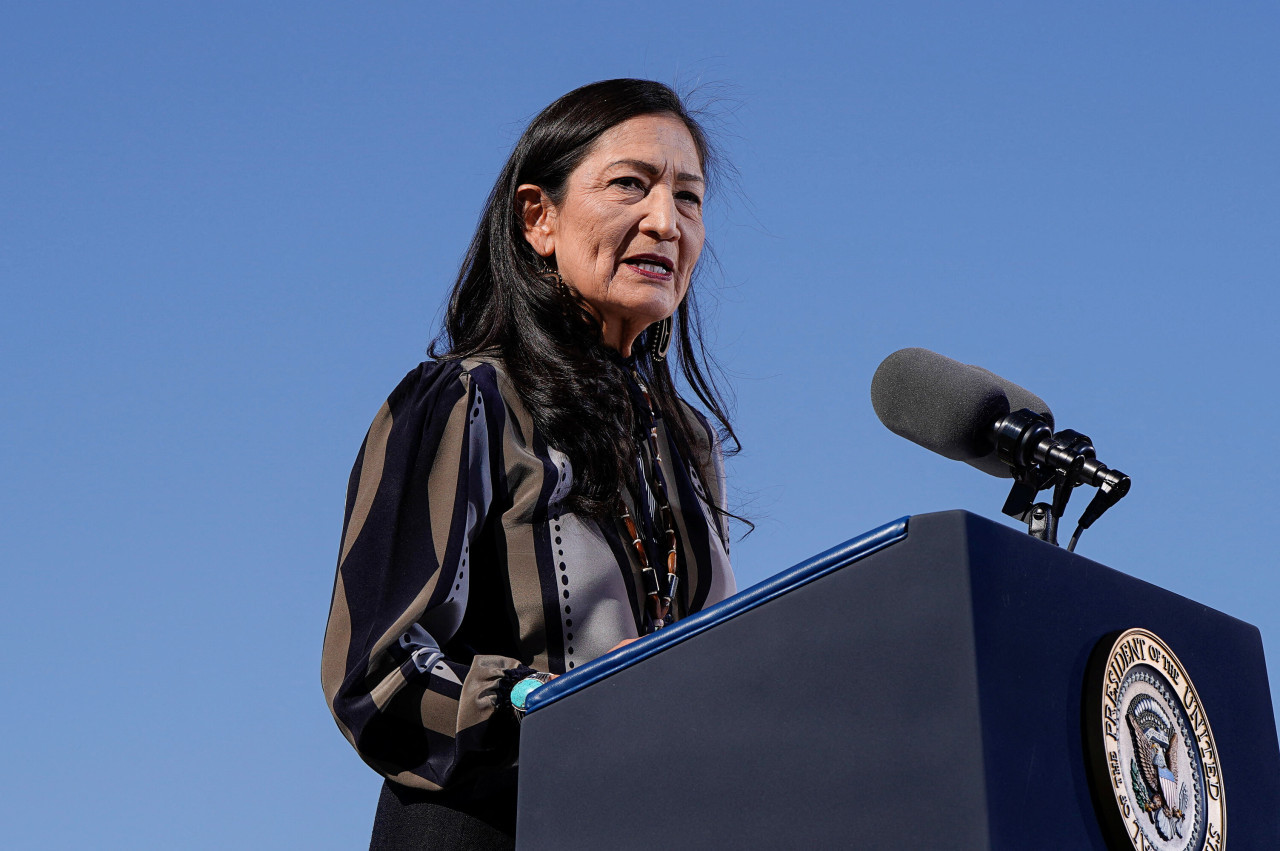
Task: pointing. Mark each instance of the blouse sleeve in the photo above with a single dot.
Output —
(420, 493)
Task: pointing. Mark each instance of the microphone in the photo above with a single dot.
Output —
(949, 407)
(970, 414)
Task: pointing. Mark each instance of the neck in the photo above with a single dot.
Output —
(620, 335)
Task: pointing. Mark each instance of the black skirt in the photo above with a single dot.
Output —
(413, 820)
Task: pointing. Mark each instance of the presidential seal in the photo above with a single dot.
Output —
(1156, 774)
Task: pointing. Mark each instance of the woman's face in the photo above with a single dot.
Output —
(628, 232)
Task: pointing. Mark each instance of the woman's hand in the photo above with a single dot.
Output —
(623, 643)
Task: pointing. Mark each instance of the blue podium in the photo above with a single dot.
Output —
(922, 686)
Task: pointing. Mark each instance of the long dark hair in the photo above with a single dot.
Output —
(505, 302)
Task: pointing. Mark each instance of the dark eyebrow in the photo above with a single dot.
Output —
(652, 170)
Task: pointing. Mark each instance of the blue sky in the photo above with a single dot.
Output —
(226, 231)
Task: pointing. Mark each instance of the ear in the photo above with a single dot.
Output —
(539, 217)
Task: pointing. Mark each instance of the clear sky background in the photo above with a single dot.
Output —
(227, 230)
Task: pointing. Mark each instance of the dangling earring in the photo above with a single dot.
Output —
(552, 276)
(660, 339)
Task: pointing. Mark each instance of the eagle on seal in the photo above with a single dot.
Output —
(1159, 770)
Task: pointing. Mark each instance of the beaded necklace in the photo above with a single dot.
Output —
(658, 594)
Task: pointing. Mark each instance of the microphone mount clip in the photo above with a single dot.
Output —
(1040, 459)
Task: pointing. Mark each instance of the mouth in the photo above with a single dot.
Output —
(651, 266)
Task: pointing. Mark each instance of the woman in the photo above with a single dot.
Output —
(538, 494)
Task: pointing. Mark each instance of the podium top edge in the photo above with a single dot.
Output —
(762, 592)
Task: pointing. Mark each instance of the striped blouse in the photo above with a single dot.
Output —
(459, 572)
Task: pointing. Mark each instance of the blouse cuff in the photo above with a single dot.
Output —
(486, 689)
(509, 679)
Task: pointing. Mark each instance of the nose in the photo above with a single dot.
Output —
(661, 220)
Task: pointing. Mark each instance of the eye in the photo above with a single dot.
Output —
(690, 197)
(628, 182)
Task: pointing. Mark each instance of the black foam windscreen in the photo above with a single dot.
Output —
(1019, 398)
(946, 406)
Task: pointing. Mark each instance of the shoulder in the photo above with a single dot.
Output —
(440, 383)
(429, 381)
(707, 463)
(429, 392)
(706, 440)
(437, 390)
